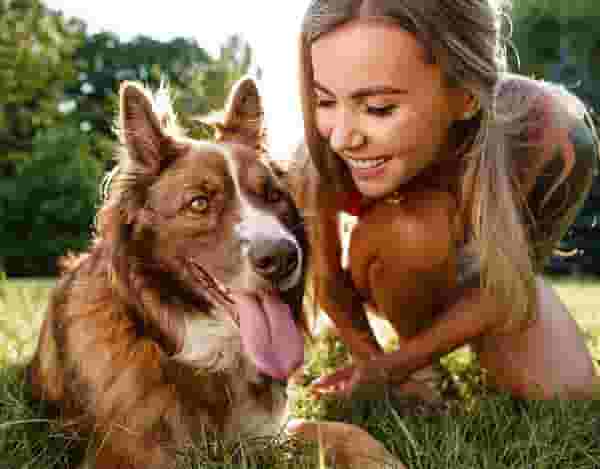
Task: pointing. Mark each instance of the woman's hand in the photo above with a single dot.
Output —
(346, 380)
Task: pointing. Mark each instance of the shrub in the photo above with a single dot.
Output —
(47, 209)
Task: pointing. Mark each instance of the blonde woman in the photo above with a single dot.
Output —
(406, 94)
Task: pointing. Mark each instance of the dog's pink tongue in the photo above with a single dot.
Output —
(270, 335)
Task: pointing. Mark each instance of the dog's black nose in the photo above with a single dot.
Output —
(274, 259)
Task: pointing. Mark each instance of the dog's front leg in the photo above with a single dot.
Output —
(347, 445)
(135, 414)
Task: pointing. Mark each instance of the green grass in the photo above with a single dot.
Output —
(496, 432)
(22, 306)
(582, 296)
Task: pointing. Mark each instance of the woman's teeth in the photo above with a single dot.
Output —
(366, 164)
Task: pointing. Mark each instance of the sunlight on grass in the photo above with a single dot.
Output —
(532, 434)
(582, 297)
(23, 303)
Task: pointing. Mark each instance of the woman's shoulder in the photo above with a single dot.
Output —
(535, 108)
(540, 118)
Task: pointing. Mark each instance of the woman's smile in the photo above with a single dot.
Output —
(366, 168)
(384, 109)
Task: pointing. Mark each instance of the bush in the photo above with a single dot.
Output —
(48, 208)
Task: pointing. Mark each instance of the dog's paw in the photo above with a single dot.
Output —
(348, 445)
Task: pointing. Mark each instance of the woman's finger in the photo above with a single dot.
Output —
(334, 378)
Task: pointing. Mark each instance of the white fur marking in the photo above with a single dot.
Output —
(211, 344)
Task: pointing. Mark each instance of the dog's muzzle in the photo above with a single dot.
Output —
(274, 259)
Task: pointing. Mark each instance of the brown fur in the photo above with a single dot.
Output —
(141, 348)
(111, 353)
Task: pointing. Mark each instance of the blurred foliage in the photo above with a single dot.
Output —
(197, 82)
(36, 62)
(559, 41)
(560, 48)
(47, 208)
(558, 8)
(58, 104)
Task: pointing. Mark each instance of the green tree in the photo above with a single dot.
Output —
(234, 60)
(559, 42)
(47, 208)
(58, 103)
(36, 49)
(198, 82)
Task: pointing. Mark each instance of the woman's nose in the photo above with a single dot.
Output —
(345, 136)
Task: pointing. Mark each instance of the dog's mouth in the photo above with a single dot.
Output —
(270, 335)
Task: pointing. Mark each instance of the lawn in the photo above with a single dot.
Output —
(496, 432)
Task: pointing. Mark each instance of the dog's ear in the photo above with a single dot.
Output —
(243, 117)
(141, 130)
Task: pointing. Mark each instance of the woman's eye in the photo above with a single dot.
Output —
(322, 102)
(381, 111)
(199, 204)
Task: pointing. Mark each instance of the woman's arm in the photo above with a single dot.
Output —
(470, 316)
(333, 289)
(336, 294)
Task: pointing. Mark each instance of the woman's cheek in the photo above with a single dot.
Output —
(396, 131)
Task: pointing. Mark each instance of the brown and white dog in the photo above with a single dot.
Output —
(184, 318)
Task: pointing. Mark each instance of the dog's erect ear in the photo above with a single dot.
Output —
(141, 130)
(243, 117)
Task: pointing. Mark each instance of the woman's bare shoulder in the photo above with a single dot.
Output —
(544, 122)
(538, 104)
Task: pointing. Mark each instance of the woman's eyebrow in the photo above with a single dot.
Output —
(322, 89)
(365, 92)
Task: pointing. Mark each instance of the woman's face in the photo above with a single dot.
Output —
(384, 110)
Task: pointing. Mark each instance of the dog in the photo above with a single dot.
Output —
(184, 318)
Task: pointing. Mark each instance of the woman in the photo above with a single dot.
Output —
(399, 94)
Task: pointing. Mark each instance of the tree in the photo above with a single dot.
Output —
(58, 103)
(47, 208)
(560, 48)
(215, 80)
(36, 49)
(197, 82)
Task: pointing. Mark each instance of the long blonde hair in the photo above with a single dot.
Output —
(468, 39)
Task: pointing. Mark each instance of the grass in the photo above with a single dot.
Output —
(582, 296)
(496, 432)
(22, 306)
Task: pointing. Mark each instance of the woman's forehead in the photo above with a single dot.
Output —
(364, 52)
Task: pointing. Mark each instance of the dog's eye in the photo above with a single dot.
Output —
(199, 204)
(270, 192)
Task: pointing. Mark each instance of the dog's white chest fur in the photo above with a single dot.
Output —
(213, 344)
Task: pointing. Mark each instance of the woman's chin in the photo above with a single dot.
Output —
(378, 189)
(371, 191)
(381, 181)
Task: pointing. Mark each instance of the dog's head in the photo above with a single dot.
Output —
(205, 233)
